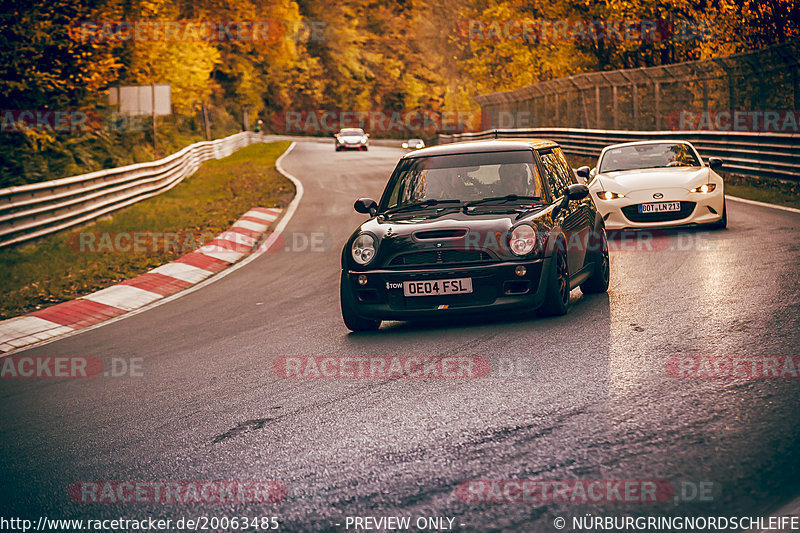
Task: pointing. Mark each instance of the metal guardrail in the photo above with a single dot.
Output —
(37, 209)
(762, 154)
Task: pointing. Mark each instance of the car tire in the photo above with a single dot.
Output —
(722, 223)
(556, 300)
(349, 315)
(598, 281)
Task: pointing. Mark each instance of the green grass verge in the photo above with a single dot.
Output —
(53, 269)
(772, 195)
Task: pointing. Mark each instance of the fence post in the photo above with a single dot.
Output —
(731, 94)
(206, 125)
(557, 106)
(569, 122)
(616, 108)
(155, 131)
(657, 89)
(597, 107)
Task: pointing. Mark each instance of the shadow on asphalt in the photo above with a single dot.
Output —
(582, 307)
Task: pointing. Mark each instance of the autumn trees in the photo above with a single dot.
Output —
(355, 55)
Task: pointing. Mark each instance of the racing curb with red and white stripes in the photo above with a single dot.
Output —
(227, 248)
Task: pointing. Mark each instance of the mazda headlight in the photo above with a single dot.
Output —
(608, 195)
(363, 140)
(705, 188)
(363, 249)
(523, 240)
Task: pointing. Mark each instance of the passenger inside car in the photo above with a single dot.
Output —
(445, 184)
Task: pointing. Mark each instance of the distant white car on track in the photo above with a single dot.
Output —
(652, 184)
(351, 139)
(414, 144)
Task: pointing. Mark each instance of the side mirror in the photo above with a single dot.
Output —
(576, 191)
(582, 172)
(714, 162)
(368, 206)
(366, 135)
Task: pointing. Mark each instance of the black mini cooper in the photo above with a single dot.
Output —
(474, 227)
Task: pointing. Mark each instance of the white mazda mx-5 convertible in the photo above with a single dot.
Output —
(656, 184)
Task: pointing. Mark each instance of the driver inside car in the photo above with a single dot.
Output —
(514, 180)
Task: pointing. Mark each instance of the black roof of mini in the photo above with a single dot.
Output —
(472, 147)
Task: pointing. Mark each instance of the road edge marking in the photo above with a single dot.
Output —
(273, 236)
(763, 204)
(790, 509)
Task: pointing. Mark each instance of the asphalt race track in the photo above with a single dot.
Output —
(586, 396)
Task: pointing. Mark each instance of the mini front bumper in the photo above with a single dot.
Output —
(494, 287)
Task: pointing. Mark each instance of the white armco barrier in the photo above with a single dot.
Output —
(30, 211)
(773, 155)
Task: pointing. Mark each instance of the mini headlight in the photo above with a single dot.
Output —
(523, 240)
(705, 188)
(363, 140)
(341, 141)
(608, 195)
(363, 249)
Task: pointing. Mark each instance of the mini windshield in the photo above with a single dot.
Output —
(462, 177)
(656, 155)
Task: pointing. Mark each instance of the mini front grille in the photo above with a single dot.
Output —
(632, 213)
(441, 257)
(441, 234)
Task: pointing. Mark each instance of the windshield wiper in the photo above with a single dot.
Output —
(506, 198)
(417, 205)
